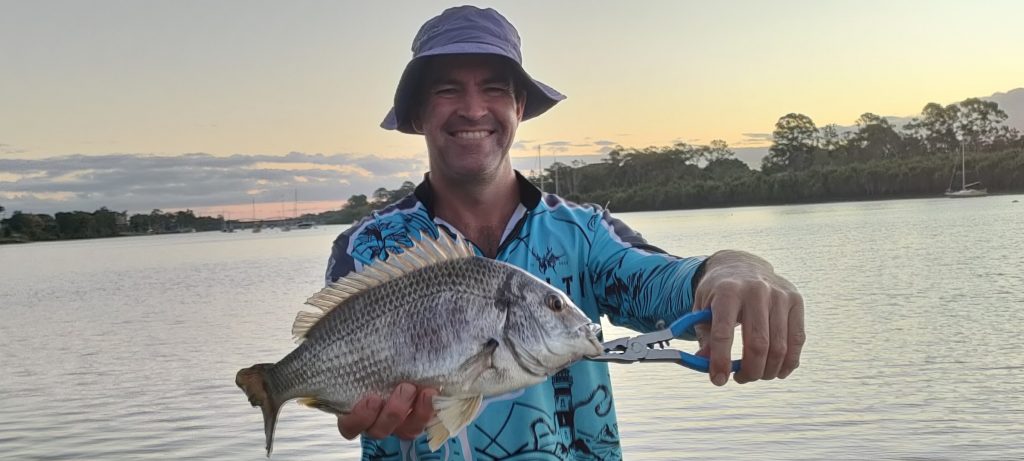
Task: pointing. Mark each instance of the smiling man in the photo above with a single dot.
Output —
(470, 109)
(465, 91)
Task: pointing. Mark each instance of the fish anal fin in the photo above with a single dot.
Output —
(322, 405)
(453, 414)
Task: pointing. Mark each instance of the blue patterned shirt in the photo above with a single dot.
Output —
(598, 261)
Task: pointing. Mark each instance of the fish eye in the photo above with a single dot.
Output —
(555, 302)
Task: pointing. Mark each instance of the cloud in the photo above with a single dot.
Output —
(9, 149)
(139, 183)
(755, 139)
(528, 165)
(521, 145)
(557, 146)
(584, 148)
(758, 136)
(564, 146)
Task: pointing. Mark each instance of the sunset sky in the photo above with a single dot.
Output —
(143, 89)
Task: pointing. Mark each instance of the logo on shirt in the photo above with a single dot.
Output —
(548, 260)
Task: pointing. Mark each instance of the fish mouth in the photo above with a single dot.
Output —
(590, 331)
(542, 364)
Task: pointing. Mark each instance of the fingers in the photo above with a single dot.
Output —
(422, 412)
(778, 324)
(394, 411)
(795, 339)
(756, 336)
(772, 317)
(719, 340)
(702, 331)
(363, 414)
(378, 418)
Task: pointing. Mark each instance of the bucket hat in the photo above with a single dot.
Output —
(465, 30)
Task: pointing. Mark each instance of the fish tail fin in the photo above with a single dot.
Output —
(252, 380)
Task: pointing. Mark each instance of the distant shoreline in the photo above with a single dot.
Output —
(611, 207)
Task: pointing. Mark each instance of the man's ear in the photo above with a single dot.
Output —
(521, 105)
(417, 126)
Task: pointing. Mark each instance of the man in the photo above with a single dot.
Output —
(466, 92)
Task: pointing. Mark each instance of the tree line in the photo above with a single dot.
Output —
(805, 163)
(101, 223)
(360, 205)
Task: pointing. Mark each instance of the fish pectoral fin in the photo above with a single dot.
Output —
(480, 362)
(453, 414)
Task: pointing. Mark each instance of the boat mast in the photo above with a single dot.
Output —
(963, 168)
(540, 169)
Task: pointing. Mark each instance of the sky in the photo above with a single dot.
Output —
(213, 105)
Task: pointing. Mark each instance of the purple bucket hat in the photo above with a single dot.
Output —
(465, 30)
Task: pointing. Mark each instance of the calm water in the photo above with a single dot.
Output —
(126, 349)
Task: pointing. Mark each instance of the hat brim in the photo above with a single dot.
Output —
(539, 97)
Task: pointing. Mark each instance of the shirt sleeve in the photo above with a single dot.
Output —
(341, 262)
(638, 285)
(374, 236)
(353, 248)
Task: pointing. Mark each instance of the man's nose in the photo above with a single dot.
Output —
(473, 105)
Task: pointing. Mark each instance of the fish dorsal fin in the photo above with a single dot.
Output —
(424, 252)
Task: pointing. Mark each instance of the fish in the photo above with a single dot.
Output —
(433, 314)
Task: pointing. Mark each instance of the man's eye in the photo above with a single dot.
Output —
(498, 89)
(444, 91)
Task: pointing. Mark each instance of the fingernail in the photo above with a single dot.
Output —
(719, 379)
(406, 390)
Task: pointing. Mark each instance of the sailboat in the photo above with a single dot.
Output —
(300, 224)
(965, 188)
(257, 226)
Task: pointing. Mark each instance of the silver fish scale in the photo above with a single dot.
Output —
(419, 327)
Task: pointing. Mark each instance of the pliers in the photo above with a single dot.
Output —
(650, 347)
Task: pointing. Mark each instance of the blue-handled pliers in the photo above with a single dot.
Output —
(650, 347)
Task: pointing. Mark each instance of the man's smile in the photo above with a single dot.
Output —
(474, 134)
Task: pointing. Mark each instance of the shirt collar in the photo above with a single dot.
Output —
(529, 194)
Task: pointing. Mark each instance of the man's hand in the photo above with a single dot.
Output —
(742, 288)
(405, 414)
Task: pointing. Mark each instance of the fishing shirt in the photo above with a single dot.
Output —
(604, 266)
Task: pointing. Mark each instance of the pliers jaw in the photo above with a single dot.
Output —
(624, 350)
(650, 347)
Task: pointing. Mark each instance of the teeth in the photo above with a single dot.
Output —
(471, 134)
(592, 328)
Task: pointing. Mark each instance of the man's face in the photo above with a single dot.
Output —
(469, 114)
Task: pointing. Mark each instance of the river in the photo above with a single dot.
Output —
(126, 348)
